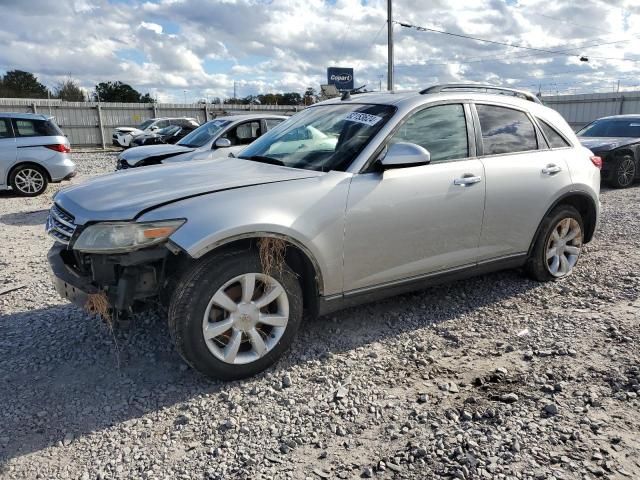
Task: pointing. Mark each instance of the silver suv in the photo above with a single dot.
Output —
(348, 201)
(33, 152)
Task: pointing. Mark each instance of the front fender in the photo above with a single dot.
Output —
(308, 212)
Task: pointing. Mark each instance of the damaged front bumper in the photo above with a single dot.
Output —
(124, 278)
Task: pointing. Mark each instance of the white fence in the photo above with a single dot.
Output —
(91, 123)
(579, 110)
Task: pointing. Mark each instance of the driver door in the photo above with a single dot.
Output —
(405, 223)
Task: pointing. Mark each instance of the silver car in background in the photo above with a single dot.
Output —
(33, 152)
(348, 201)
(213, 139)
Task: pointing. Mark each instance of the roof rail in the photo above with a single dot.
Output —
(480, 86)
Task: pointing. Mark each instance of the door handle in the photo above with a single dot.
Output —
(467, 179)
(551, 169)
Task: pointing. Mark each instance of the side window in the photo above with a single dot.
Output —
(34, 128)
(244, 133)
(441, 129)
(5, 129)
(505, 130)
(555, 139)
(162, 123)
(272, 123)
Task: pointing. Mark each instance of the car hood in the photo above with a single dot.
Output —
(125, 195)
(131, 130)
(138, 154)
(605, 144)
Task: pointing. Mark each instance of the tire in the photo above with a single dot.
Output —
(623, 172)
(29, 180)
(193, 298)
(540, 265)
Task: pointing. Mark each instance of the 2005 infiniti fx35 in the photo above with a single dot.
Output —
(349, 200)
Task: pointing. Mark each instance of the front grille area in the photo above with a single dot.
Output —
(60, 225)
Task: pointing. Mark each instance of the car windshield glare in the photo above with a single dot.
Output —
(322, 138)
(203, 134)
(145, 124)
(612, 128)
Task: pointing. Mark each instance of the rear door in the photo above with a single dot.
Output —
(523, 177)
(8, 151)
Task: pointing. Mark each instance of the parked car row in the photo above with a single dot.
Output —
(350, 200)
(126, 136)
(214, 139)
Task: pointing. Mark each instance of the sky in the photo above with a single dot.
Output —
(193, 49)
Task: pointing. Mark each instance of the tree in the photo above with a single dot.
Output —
(69, 91)
(291, 98)
(21, 84)
(120, 92)
(310, 96)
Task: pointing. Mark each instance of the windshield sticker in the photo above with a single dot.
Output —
(363, 118)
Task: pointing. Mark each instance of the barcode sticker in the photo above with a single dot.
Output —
(364, 118)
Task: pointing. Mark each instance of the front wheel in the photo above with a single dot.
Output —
(558, 246)
(231, 320)
(28, 180)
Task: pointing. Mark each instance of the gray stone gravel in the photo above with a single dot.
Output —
(496, 377)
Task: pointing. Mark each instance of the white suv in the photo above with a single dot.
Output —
(350, 200)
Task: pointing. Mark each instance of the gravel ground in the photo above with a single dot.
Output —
(495, 377)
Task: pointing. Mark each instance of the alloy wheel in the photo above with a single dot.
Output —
(563, 247)
(626, 171)
(245, 318)
(29, 180)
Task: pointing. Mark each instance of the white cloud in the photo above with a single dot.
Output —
(203, 46)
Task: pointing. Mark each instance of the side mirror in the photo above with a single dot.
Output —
(401, 154)
(154, 128)
(222, 143)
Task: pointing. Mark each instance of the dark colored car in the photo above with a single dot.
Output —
(617, 141)
(170, 134)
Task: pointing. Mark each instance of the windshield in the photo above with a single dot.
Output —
(323, 138)
(203, 134)
(145, 124)
(612, 128)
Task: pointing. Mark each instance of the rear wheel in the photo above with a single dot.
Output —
(623, 172)
(28, 180)
(558, 246)
(230, 320)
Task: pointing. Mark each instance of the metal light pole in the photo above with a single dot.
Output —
(390, 47)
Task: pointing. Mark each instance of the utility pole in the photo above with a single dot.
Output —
(389, 47)
(618, 87)
(235, 92)
(380, 77)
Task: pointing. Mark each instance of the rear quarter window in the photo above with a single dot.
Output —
(35, 128)
(555, 139)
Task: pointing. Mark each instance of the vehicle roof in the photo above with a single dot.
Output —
(171, 118)
(247, 116)
(629, 116)
(31, 116)
(415, 98)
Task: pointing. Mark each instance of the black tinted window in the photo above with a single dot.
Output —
(442, 130)
(35, 128)
(555, 139)
(505, 130)
(5, 129)
(612, 128)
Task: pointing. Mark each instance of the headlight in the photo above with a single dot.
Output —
(124, 236)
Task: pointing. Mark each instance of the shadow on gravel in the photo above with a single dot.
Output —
(61, 373)
(38, 217)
